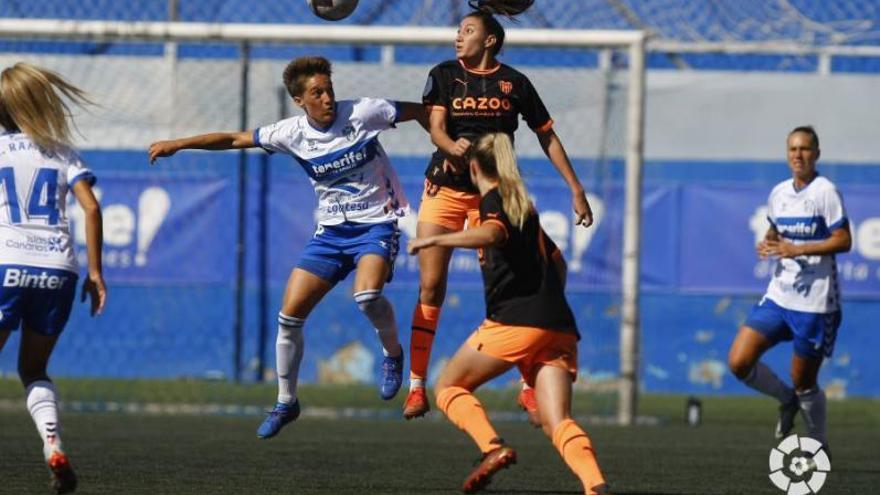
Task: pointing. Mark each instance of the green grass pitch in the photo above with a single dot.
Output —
(380, 453)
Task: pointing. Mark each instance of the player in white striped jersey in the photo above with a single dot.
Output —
(808, 226)
(359, 202)
(38, 168)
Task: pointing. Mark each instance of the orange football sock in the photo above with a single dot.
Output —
(466, 412)
(577, 450)
(424, 325)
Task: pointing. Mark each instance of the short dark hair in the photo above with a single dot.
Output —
(300, 69)
(491, 24)
(807, 129)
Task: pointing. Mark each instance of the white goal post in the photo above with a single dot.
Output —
(631, 42)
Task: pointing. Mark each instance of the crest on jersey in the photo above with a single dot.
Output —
(348, 131)
(506, 86)
(311, 145)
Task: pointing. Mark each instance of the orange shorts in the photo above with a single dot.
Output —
(449, 208)
(528, 347)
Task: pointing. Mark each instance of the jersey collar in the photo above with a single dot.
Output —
(797, 189)
(480, 72)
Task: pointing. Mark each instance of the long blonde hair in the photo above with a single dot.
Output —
(495, 156)
(31, 100)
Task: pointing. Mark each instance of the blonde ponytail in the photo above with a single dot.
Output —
(494, 152)
(31, 101)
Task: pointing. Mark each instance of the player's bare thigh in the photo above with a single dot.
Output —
(470, 368)
(372, 272)
(747, 348)
(304, 291)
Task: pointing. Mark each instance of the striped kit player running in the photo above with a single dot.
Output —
(38, 265)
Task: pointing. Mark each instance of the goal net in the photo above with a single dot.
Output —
(198, 248)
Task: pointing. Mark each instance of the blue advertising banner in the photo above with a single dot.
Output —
(721, 224)
(171, 256)
(593, 254)
(155, 226)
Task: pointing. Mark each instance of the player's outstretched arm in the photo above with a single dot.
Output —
(212, 141)
(413, 111)
(488, 234)
(93, 285)
(554, 150)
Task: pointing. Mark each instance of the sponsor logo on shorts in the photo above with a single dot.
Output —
(36, 279)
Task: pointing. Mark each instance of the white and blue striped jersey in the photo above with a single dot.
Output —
(351, 173)
(34, 183)
(806, 283)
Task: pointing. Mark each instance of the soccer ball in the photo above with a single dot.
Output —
(507, 8)
(332, 10)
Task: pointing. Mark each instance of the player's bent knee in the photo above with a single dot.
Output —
(373, 304)
(740, 368)
(432, 292)
(290, 330)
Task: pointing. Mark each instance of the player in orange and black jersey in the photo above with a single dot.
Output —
(528, 321)
(469, 96)
(523, 276)
(473, 102)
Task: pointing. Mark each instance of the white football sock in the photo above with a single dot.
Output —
(813, 411)
(762, 379)
(381, 314)
(289, 346)
(42, 403)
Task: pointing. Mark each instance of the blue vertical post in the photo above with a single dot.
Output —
(240, 252)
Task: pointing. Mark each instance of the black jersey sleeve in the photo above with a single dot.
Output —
(532, 108)
(435, 92)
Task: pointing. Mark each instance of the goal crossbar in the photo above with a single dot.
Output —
(294, 33)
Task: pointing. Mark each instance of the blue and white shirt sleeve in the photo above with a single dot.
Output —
(77, 171)
(834, 211)
(275, 137)
(378, 114)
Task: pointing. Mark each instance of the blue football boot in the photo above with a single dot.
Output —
(277, 418)
(392, 376)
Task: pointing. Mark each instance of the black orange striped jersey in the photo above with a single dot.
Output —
(522, 285)
(477, 102)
